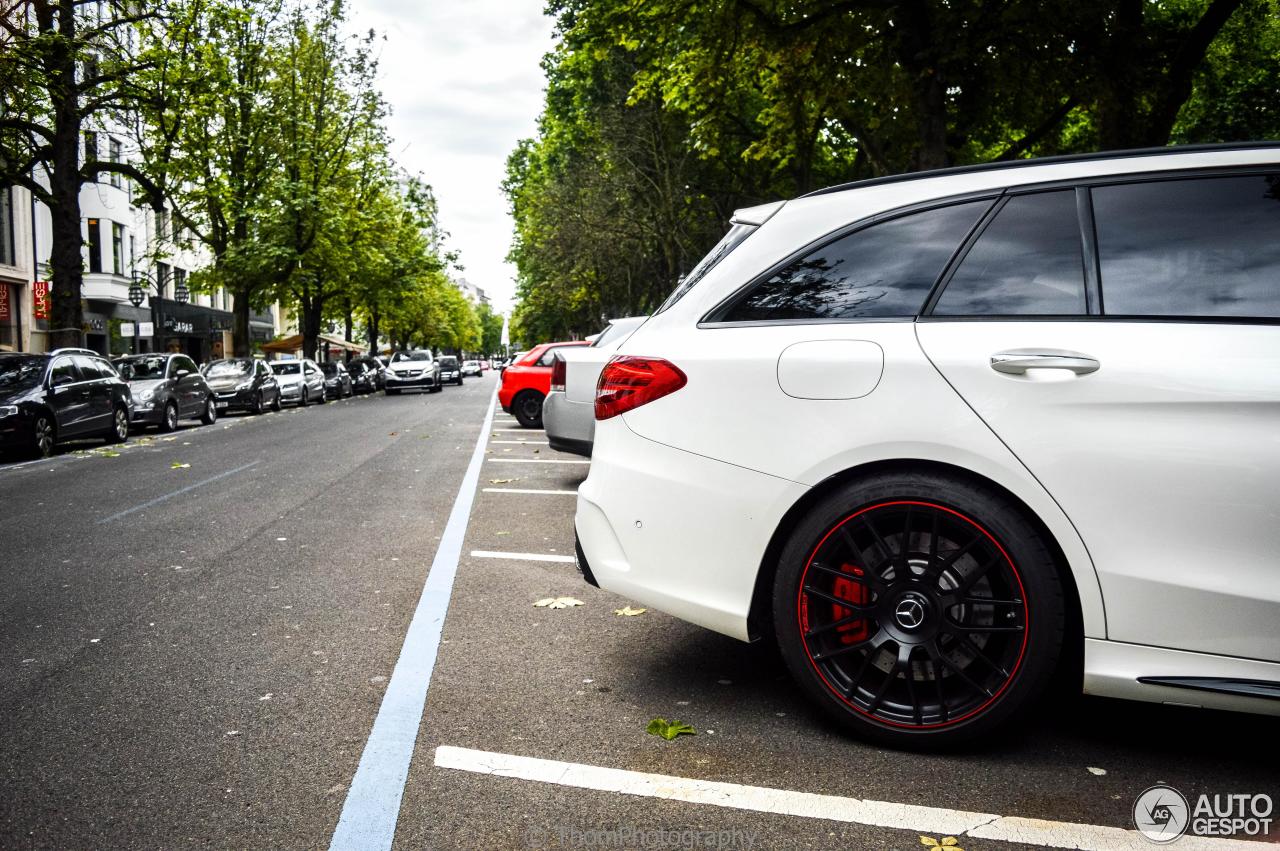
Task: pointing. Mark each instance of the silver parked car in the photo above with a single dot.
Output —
(568, 413)
(167, 388)
(301, 381)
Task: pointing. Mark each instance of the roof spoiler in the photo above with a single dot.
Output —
(756, 215)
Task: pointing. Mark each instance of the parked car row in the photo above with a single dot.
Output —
(77, 393)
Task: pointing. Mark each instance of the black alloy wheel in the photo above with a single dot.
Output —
(277, 403)
(919, 609)
(210, 415)
(528, 409)
(258, 405)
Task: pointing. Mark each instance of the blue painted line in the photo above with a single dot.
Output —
(369, 815)
(178, 492)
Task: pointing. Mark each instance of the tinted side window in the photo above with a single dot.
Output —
(548, 358)
(1198, 247)
(886, 269)
(182, 363)
(92, 369)
(1028, 261)
(64, 372)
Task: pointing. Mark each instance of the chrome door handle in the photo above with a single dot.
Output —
(1018, 361)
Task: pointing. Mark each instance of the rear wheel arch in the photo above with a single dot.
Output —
(759, 617)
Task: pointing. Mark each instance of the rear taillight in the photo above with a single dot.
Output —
(557, 374)
(628, 381)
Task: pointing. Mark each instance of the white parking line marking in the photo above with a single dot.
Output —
(178, 492)
(529, 490)
(529, 442)
(524, 556)
(537, 461)
(1027, 831)
(372, 807)
(522, 430)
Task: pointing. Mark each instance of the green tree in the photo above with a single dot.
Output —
(66, 68)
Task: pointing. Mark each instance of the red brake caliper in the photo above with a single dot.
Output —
(855, 592)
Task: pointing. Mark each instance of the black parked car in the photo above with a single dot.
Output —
(450, 370)
(337, 381)
(167, 388)
(60, 395)
(242, 383)
(374, 365)
(364, 378)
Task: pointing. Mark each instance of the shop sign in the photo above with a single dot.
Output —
(40, 299)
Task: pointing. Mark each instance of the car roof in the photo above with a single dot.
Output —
(1082, 160)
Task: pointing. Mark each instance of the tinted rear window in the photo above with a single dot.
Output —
(884, 270)
(1199, 247)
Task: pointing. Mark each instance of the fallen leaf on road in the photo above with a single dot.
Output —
(628, 612)
(669, 729)
(178, 465)
(392, 434)
(949, 842)
(1098, 772)
(109, 454)
(502, 533)
(558, 603)
(501, 481)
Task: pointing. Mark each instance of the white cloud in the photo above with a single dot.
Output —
(464, 82)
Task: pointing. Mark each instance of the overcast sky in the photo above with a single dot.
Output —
(464, 82)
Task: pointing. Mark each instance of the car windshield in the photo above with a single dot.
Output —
(20, 372)
(293, 368)
(447, 361)
(329, 369)
(142, 369)
(399, 357)
(472, 363)
(225, 368)
(355, 367)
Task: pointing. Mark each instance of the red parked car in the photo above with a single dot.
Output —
(528, 381)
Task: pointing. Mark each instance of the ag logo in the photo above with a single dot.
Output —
(1161, 814)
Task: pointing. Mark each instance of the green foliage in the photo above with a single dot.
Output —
(662, 116)
(669, 729)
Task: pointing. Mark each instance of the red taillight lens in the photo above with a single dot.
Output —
(627, 382)
(557, 374)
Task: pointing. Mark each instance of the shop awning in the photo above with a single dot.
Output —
(294, 344)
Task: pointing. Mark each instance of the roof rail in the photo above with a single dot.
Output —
(76, 351)
(1063, 158)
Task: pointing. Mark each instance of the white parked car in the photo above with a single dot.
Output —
(413, 369)
(301, 381)
(934, 434)
(568, 412)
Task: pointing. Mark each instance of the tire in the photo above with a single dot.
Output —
(210, 415)
(855, 612)
(527, 406)
(306, 398)
(277, 405)
(170, 421)
(324, 395)
(258, 405)
(44, 435)
(118, 431)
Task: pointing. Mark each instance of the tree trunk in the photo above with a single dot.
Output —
(311, 321)
(372, 328)
(240, 338)
(66, 315)
(920, 48)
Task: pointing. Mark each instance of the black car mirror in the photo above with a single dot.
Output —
(182, 373)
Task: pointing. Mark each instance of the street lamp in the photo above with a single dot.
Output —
(142, 282)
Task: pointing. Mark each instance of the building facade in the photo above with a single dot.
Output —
(16, 269)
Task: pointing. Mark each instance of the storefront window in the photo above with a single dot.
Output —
(8, 255)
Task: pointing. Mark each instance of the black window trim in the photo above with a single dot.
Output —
(992, 195)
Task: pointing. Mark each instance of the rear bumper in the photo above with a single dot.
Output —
(570, 426)
(677, 531)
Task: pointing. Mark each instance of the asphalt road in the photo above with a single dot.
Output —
(202, 667)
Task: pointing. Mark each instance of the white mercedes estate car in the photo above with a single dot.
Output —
(944, 436)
